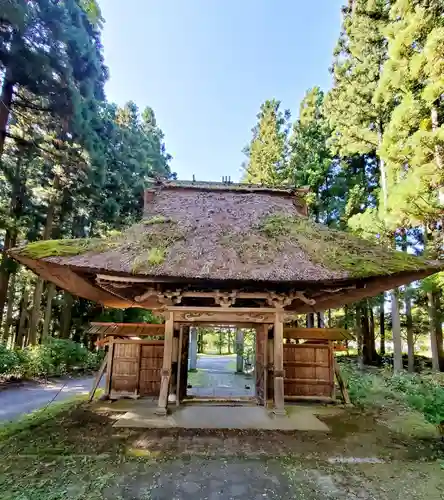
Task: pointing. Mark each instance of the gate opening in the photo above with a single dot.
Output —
(221, 363)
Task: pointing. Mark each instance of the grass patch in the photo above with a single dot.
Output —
(338, 250)
(197, 378)
(231, 366)
(65, 451)
(379, 388)
(38, 417)
(156, 219)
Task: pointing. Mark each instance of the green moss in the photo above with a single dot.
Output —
(154, 257)
(338, 250)
(156, 219)
(57, 248)
(149, 246)
(254, 249)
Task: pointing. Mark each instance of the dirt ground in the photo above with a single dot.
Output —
(79, 455)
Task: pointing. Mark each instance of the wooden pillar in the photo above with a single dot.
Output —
(279, 364)
(109, 368)
(179, 366)
(192, 353)
(239, 350)
(166, 367)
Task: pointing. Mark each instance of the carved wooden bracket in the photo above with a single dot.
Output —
(225, 299)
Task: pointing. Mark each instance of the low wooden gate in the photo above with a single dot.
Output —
(135, 367)
(309, 371)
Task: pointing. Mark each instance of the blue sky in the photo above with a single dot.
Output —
(205, 66)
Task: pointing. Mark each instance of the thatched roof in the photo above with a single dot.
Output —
(228, 233)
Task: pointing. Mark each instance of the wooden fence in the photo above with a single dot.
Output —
(309, 371)
(135, 367)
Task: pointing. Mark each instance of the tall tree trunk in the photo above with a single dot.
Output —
(36, 312)
(396, 331)
(321, 322)
(372, 341)
(368, 336)
(432, 330)
(408, 314)
(359, 336)
(438, 329)
(310, 320)
(5, 107)
(48, 312)
(382, 325)
(7, 265)
(409, 326)
(65, 323)
(9, 311)
(21, 329)
(329, 318)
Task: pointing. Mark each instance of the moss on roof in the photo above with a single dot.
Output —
(338, 250)
(229, 235)
(148, 246)
(64, 248)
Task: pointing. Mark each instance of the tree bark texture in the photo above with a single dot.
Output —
(65, 323)
(434, 341)
(310, 320)
(21, 329)
(9, 311)
(359, 336)
(7, 95)
(438, 329)
(36, 312)
(48, 311)
(409, 327)
(396, 330)
(382, 325)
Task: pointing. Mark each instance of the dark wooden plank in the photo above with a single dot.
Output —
(342, 384)
(109, 370)
(317, 333)
(306, 364)
(307, 381)
(98, 379)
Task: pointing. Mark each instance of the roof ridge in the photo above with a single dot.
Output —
(224, 186)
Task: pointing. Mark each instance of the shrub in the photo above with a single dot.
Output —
(424, 393)
(9, 361)
(51, 358)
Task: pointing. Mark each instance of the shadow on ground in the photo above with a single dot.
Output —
(80, 455)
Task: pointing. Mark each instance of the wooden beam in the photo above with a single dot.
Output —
(179, 365)
(139, 367)
(342, 384)
(123, 279)
(265, 333)
(321, 399)
(137, 341)
(308, 381)
(145, 326)
(317, 333)
(223, 315)
(109, 370)
(98, 379)
(279, 364)
(223, 309)
(166, 367)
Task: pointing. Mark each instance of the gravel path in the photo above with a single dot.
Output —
(29, 396)
(218, 378)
